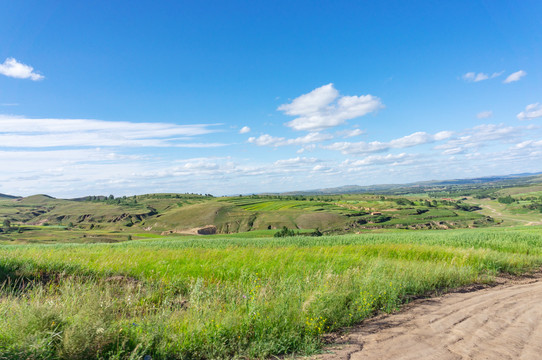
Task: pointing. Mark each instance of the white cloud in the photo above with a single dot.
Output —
(268, 140)
(244, 130)
(294, 162)
(305, 148)
(455, 151)
(419, 138)
(532, 111)
(515, 76)
(350, 133)
(360, 148)
(482, 135)
(323, 108)
(62, 157)
(399, 159)
(321, 168)
(23, 132)
(528, 144)
(198, 145)
(15, 69)
(484, 114)
(476, 77)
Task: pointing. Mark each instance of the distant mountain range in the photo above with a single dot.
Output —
(4, 196)
(490, 181)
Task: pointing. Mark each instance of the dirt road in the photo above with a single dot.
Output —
(509, 218)
(501, 322)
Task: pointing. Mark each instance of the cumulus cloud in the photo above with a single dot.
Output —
(324, 108)
(484, 114)
(515, 76)
(531, 111)
(268, 140)
(360, 148)
(24, 132)
(476, 77)
(244, 130)
(15, 69)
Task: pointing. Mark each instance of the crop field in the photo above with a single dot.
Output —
(274, 205)
(232, 297)
(533, 190)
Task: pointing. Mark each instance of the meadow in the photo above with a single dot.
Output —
(233, 297)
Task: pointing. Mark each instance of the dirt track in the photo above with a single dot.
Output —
(501, 322)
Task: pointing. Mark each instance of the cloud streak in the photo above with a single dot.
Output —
(268, 140)
(515, 76)
(23, 132)
(484, 114)
(480, 136)
(363, 148)
(477, 77)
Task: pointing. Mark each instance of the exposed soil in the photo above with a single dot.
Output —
(205, 230)
(498, 322)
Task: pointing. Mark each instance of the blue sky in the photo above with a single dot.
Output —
(250, 96)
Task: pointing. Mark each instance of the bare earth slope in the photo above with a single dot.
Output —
(501, 322)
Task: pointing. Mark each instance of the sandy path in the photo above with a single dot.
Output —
(501, 322)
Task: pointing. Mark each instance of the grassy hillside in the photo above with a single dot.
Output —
(227, 297)
(185, 213)
(5, 196)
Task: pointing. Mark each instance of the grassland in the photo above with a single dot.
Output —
(232, 297)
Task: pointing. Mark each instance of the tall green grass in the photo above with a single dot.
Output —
(208, 298)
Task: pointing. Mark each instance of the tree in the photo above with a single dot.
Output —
(506, 200)
(6, 225)
(316, 232)
(284, 232)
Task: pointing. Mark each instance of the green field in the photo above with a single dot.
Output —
(232, 297)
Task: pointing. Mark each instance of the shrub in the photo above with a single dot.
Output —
(284, 232)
